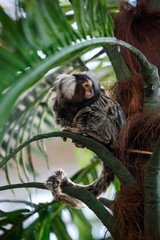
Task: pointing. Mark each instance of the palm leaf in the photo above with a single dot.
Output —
(26, 121)
(46, 30)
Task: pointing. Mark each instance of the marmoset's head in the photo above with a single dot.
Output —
(78, 87)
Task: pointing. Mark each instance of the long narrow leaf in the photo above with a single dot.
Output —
(80, 17)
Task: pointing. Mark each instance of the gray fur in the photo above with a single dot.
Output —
(101, 120)
(54, 183)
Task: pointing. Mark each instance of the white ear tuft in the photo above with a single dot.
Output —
(66, 84)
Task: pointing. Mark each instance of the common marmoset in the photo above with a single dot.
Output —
(81, 107)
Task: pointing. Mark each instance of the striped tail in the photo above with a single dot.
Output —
(58, 179)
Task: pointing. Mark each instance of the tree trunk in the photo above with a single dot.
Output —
(152, 194)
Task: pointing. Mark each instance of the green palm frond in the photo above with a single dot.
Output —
(39, 40)
(28, 116)
(31, 113)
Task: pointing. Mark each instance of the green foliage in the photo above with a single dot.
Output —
(46, 30)
(49, 220)
(30, 113)
(39, 39)
(37, 35)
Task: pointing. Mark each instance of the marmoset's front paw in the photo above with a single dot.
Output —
(69, 129)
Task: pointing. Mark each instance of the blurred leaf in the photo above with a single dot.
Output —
(49, 219)
(39, 42)
(116, 184)
(84, 226)
(26, 120)
(80, 17)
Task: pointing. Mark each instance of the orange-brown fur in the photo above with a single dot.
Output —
(140, 132)
(140, 27)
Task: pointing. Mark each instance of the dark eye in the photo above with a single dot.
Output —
(87, 85)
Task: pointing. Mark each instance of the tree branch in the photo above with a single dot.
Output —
(124, 176)
(119, 65)
(149, 71)
(81, 194)
(24, 185)
(152, 194)
(96, 206)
